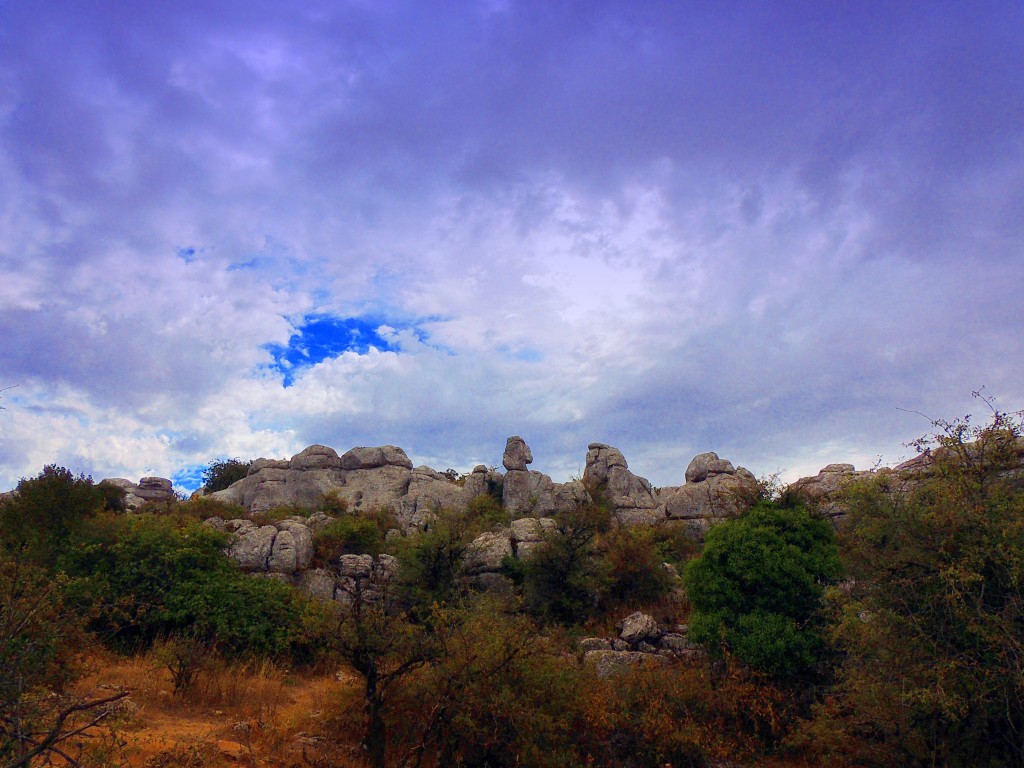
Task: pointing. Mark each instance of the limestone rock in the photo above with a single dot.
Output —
(823, 491)
(528, 533)
(318, 583)
(147, 489)
(706, 465)
(594, 644)
(259, 464)
(637, 627)
(630, 496)
(608, 663)
(372, 458)
(482, 481)
(251, 550)
(315, 457)
(487, 550)
(528, 493)
(517, 454)
(714, 490)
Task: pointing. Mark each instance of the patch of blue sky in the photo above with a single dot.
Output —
(188, 479)
(322, 337)
(186, 254)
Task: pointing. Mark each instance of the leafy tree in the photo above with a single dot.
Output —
(564, 581)
(222, 473)
(44, 510)
(757, 586)
(932, 621)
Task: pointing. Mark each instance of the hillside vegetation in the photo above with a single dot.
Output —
(896, 640)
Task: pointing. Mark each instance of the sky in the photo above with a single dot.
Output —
(790, 232)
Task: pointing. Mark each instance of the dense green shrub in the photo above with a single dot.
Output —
(148, 577)
(222, 473)
(349, 535)
(756, 588)
(46, 509)
(565, 579)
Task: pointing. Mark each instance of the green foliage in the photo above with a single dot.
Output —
(932, 622)
(431, 561)
(152, 577)
(45, 510)
(564, 580)
(222, 473)
(349, 535)
(756, 588)
(489, 510)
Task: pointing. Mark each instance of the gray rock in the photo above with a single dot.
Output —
(251, 550)
(528, 493)
(609, 663)
(355, 566)
(259, 464)
(630, 496)
(373, 458)
(487, 550)
(318, 583)
(677, 643)
(637, 627)
(594, 644)
(705, 465)
(315, 457)
(529, 533)
(517, 454)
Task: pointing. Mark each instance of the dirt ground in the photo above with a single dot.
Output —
(255, 716)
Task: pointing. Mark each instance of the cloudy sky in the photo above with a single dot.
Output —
(233, 229)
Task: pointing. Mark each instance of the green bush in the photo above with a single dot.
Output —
(489, 510)
(348, 535)
(756, 588)
(45, 510)
(565, 579)
(222, 473)
(144, 578)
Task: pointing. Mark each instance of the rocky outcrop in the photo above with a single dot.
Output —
(365, 478)
(282, 547)
(147, 489)
(823, 492)
(517, 454)
(714, 490)
(630, 497)
(640, 641)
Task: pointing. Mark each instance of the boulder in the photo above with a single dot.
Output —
(637, 627)
(486, 552)
(528, 493)
(705, 465)
(373, 458)
(517, 454)
(630, 496)
(315, 457)
(251, 550)
(528, 533)
(147, 489)
(609, 663)
(714, 490)
(594, 644)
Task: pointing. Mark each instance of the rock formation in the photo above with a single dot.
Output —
(714, 490)
(630, 497)
(147, 489)
(640, 641)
